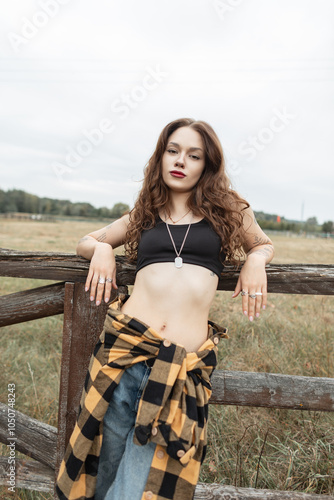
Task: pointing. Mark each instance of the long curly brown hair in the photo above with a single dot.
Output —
(211, 198)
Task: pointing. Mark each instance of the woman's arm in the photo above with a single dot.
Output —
(98, 248)
(253, 279)
(113, 235)
(256, 242)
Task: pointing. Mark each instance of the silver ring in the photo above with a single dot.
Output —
(258, 293)
(252, 295)
(101, 280)
(244, 293)
(109, 280)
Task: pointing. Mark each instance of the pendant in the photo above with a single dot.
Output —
(178, 262)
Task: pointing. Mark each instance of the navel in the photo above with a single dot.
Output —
(163, 327)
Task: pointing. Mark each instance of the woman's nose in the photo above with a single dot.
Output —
(180, 160)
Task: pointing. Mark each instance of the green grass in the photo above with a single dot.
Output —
(268, 448)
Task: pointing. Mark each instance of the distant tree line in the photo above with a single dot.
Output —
(311, 225)
(16, 200)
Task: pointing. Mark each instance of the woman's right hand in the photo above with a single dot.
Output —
(102, 265)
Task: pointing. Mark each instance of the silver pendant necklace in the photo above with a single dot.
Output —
(178, 260)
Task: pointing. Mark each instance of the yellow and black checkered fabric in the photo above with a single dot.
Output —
(172, 412)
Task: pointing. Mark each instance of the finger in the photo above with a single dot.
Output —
(258, 302)
(93, 287)
(237, 289)
(88, 279)
(107, 290)
(264, 297)
(100, 291)
(251, 305)
(245, 302)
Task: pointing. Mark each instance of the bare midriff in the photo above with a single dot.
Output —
(174, 302)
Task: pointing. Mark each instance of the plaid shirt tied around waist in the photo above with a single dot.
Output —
(172, 412)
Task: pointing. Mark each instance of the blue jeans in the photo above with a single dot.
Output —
(123, 465)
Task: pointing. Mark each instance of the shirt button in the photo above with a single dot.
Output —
(148, 495)
(215, 340)
(167, 343)
(160, 454)
(181, 453)
(154, 431)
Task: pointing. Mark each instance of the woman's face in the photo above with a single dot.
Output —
(184, 160)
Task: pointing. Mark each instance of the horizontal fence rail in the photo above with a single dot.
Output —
(272, 390)
(83, 321)
(33, 438)
(282, 278)
(32, 304)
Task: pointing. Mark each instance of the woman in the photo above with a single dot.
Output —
(141, 431)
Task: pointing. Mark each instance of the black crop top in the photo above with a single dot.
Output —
(202, 246)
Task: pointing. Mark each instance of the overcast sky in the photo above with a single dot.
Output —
(86, 88)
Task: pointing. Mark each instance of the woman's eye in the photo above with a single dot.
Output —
(194, 157)
(171, 151)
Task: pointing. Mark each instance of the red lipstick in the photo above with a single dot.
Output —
(177, 173)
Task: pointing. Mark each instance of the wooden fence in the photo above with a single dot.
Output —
(45, 445)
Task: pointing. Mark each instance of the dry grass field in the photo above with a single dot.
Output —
(249, 447)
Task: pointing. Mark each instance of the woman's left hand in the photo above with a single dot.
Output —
(252, 284)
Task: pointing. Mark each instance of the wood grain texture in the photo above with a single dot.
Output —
(282, 278)
(83, 323)
(32, 304)
(272, 390)
(29, 474)
(33, 438)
